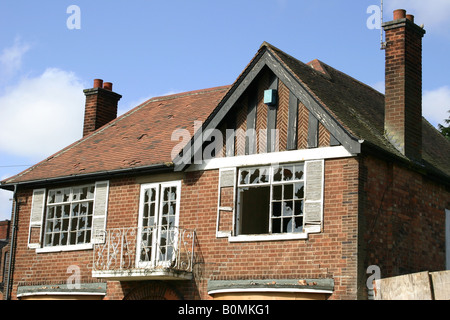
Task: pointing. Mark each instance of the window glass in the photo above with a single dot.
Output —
(270, 199)
(69, 216)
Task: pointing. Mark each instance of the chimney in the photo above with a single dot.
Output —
(403, 94)
(101, 106)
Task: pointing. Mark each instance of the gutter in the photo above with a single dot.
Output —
(89, 176)
(12, 246)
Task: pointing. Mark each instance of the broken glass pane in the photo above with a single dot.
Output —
(298, 227)
(64, 238)
(55, 241)
(83, 193)
(172, 208)
(276, 225)
(51, 196)
(287, 208)
(299, 190)
(264, 177)
(145, 211)
(165, 210)
(173, 193)
(51, 213)
(298, 207)
(288, 173)
(299, 172)
(59, 196)
(277, 175)
(276, 209)
(287, 225)
(244, 177)
(66, 195)
(254, 176)
(288, 191)
(277, 192)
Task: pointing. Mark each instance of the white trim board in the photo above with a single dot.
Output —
(260, 290)
(271, 158)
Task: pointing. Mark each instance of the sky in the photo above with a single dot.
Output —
(51, 50)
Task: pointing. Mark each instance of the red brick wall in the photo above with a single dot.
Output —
(401, 219)
(329, 254)
(404, 219)
(4, 229)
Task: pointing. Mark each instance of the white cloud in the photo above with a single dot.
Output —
(11, 58)
(5, 205)
(41, 115)
(435, 105)
(433, 13)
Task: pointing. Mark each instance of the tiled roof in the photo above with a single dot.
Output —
(142, 137)
(139, 138)
(360, 109)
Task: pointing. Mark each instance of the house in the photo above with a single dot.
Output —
(288, 184)
(5, 227)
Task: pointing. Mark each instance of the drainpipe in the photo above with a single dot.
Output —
(12, 245)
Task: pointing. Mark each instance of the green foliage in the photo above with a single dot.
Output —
(445, 129)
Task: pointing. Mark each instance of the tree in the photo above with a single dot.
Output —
(445, 130)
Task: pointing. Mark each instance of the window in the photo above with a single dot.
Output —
(68, 218)
(158, 223)
(271, 200)
(71, 218)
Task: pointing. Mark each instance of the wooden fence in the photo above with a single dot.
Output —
(416, 286)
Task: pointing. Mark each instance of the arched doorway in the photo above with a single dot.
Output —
(154, 290)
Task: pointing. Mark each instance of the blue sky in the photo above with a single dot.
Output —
(152, 48)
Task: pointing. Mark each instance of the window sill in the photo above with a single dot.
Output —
(268, 237)
(88, 246)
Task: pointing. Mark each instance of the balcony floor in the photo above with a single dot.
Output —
(143, 274)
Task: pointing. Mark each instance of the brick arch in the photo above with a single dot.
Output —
(154, 290)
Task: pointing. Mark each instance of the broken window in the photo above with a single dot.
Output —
(158, 223)
(68, 219)
(271, 199)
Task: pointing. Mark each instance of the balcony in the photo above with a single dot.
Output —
(149, 253)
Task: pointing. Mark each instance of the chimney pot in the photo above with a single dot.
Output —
(410, 17)
(399, 14)
(107, 86)
(98, 83)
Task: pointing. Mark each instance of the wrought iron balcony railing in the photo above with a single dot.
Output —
(145, 253)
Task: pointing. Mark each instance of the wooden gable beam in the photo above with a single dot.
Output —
(262, 59)
(315, 108)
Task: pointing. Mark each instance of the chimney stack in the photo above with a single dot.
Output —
(101, 106)
(403, 94)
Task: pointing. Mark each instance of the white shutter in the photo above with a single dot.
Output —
(36, 217)
(313, 209)
(227, 180)
(100, 212)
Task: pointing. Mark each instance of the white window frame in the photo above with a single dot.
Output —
(268, 236)
(67, 247)
(154, 261)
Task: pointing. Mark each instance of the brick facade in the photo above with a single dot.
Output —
(403, 218)
(374, 213)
